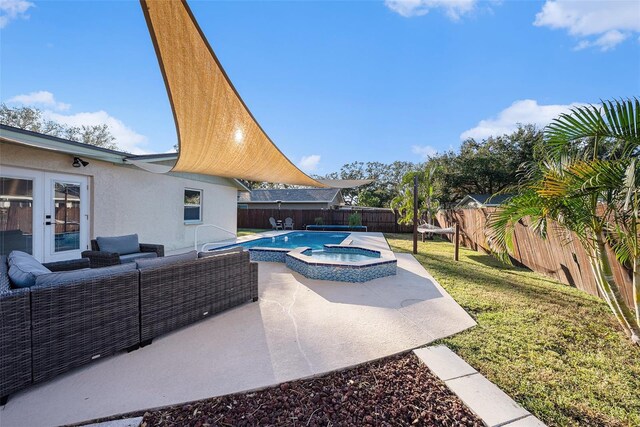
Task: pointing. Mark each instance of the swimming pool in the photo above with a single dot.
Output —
(322, 255)
(340, 256)
(341, 263)
(296, 239)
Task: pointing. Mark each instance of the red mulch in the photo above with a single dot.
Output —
(396, 391)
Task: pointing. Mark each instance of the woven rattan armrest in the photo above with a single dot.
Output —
(74, 264)
(148, 247)
(101, 259)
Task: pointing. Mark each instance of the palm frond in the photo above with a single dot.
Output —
(615, 123)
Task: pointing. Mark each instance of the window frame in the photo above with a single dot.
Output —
(185, 205)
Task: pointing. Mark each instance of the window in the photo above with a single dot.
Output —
(192, 205)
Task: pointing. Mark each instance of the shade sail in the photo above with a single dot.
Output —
(345, 183)
(217, 133)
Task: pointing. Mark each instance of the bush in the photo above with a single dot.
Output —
(355, 219)
(319, 220)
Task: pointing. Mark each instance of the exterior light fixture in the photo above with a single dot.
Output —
(77, 162)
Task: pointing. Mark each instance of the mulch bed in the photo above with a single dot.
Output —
(395, 391)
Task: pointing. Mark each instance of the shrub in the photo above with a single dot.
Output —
(355, 219)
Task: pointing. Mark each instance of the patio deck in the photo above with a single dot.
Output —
(299, 328)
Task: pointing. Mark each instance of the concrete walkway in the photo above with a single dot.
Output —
(299, 328)
(480, 395)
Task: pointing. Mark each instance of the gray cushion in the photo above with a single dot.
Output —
(65, 277)
(132, 257)
(121, 244)
(166, 260)
(217, 252)
(24, 269)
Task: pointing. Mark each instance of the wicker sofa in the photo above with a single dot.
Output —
(83, 320)
(48, 329)
(177, 295)
(101, 258)
(15, 336)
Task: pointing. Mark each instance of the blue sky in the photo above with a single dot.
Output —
(331, 82)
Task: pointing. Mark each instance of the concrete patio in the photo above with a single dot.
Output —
(299, 328)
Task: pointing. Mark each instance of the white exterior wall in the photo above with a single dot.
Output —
(126, 199)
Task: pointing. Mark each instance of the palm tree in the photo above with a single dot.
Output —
(403, 202)
(586, 182)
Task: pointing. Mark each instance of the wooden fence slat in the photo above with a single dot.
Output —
(377, 220)
(560, 256)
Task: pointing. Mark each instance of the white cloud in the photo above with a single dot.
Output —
(454, 9)
(125, 138)
(13, 9)
(42, 97)
(424, 151)
(598, 23)
(520, 112)
(605, 42)
(309, 163)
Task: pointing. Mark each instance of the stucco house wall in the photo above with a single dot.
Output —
(125, 199)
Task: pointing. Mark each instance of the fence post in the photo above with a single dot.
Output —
(415, 214)
(456, 249)
(395, 221)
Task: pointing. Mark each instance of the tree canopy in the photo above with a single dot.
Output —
(33, 119)
(485, 167)
(481, 167)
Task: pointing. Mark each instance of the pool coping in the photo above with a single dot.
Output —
(299, 254)
(270, 233)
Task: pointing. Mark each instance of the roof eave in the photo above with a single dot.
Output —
(17, 136)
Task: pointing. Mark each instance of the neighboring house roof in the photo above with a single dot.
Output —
(19, 136)
(483, 200)
(290, 195)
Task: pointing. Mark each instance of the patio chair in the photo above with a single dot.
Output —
(288, 223)
(274, 224)
(107, 251)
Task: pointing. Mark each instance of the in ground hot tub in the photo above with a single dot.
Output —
(341, 263)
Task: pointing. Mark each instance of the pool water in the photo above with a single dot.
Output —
(296, 239)
(340, 257)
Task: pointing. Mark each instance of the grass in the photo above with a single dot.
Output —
(554, 349)
(248, 231)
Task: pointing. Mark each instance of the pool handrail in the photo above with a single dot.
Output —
(195, 242)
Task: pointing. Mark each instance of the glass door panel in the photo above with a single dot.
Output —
(66, 205)
(65, 217)
(16, 215)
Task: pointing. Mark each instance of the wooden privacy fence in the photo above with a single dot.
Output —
(381, 220)
(559, 256)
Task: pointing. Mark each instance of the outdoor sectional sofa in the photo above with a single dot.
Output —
(106, 251)
(48, 329)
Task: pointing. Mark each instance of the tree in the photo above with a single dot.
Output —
(586, 181)
(403, 202)
(484, 167)
(32, 119)
(386, 179)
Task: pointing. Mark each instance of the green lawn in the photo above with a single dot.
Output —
(247, 231)
(554, 349)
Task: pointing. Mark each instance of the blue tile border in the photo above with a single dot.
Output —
(301, 261)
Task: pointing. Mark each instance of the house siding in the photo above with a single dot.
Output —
(125, 199)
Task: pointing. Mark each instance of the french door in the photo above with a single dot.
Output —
(44, 214)
(65, 216)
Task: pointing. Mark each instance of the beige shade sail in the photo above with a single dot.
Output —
(345, 183)
(217, 133)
